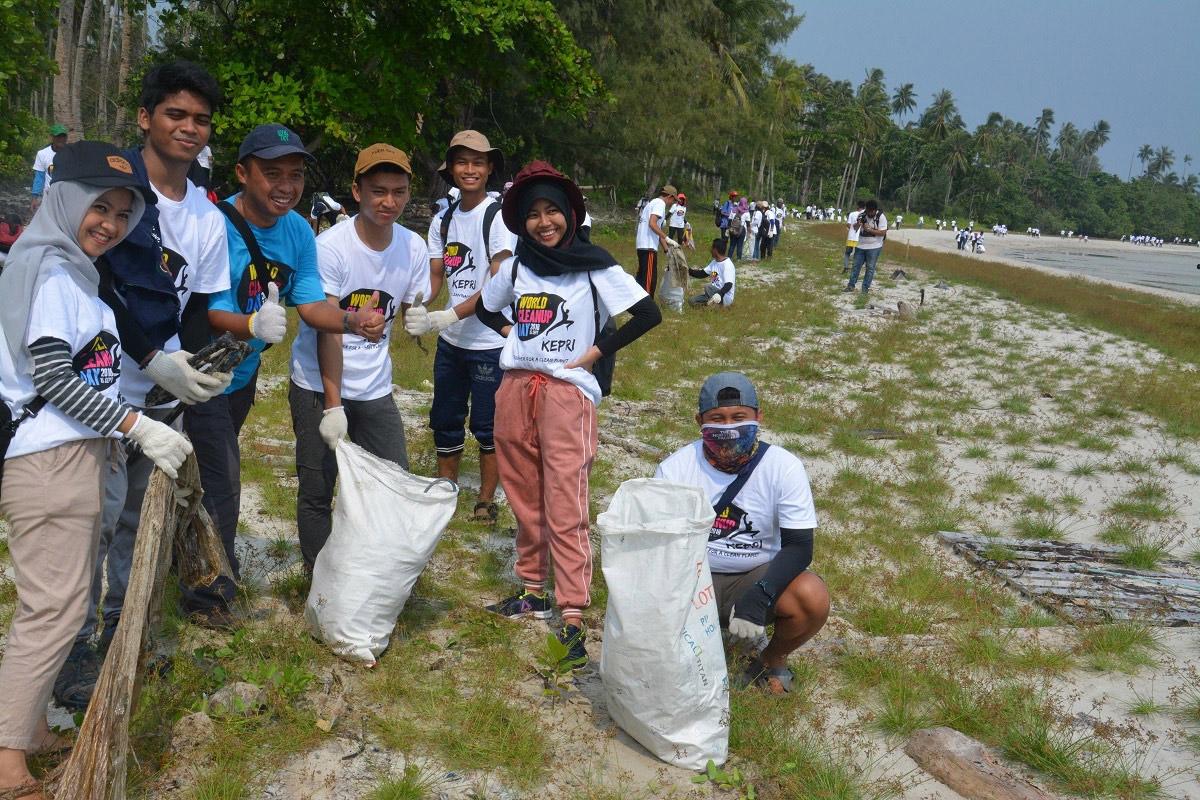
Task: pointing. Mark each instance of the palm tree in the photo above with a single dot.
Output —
(941, 118)
(1191, 182)
(1041, 127)
(1144, 154)
(957, 157)
(904, 100)
(1162, 160)
(1067, 142)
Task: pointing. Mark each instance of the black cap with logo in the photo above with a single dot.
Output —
(98, 164)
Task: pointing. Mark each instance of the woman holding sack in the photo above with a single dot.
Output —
(60, 364)
(562, 288)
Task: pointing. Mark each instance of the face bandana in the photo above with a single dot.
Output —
(729, 447)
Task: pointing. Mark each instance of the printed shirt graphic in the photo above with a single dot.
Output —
(646, 238)
(721, 273)
(746, 533)
(65, 312)
(352, 272)
(678, 215)
(291, 253)
(555, 318)
(196, 257)
(466, 269)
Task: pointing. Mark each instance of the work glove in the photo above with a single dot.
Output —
(715, 300)
(333, 426)
(172, 372)
(748, 616)
(269, 323)
(162, 444)
(419, 320)
(671, 242)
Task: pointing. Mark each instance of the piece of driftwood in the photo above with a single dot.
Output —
(172, 522)
(1086, 583)
(967, 767)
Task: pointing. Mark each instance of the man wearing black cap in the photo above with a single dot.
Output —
(761, 543)
(272, 254)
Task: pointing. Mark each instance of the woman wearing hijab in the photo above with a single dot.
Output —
(562, 288)
(60, 365)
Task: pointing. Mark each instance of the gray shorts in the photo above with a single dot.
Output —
(729, 586)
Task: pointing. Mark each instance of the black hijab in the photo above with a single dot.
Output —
(575, 253)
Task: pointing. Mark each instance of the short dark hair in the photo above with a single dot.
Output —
(178, 76)
(720, 245)
(381, 169)
(872, 204)
(862, 203)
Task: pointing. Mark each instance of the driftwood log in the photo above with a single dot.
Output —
(967, 767)
(173, 523)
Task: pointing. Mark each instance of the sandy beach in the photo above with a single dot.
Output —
(1168, 271)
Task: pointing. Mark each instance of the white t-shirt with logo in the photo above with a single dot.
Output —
(195, 254)
(352, 272)
(721, 273)
(646, 238)
(43, 162)
(746, 534)
(555, 318)
(851, 231)
(678, 215)
(866, 242)
(467, 266)
(61, 310)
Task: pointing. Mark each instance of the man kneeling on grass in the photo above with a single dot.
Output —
(761, 543)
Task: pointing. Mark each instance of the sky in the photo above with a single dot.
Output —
(1131, 63)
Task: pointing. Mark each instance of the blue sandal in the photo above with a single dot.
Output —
(776, 680)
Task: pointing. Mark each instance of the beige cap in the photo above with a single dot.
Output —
(381, 153)
(472, 140)
(669, 190)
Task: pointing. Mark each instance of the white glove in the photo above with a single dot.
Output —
(269, 323)
(744, 628)
(162, 444)
(419, 321)
(715, 300)
(172, 372)
(671, 242)
(333, 426)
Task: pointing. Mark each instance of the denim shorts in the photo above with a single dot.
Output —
(463, 379)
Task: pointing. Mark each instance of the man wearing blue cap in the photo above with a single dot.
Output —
(272, 255)
(761, 542)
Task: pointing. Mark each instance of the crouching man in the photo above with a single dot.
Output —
(761, 543)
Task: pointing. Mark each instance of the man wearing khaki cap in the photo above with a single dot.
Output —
(650, 234)
(342, 383)
(467, 242)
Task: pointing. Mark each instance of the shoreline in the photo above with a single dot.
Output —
(1001, 249)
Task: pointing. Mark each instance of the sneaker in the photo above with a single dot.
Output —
(76, 680)
(526, 604)
(847, 290)
(573, 636)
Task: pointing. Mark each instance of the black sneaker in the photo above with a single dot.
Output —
(526, 604)
(219, 618)
(573, 636)
(77, 679)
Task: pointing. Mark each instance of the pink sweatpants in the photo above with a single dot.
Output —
(545, 432)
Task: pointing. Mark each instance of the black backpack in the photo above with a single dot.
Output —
(488, 216)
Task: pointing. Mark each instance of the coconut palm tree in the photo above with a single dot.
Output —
(941, 117)
(904, 100)
(958, 149)
(1144, 154)
(1041, 127)
(1162, 161)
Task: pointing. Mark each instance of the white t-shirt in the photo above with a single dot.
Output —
(195, 253)
(63, 311)
(678, 213)
(746, 535)
(352, 272)
(769, 217)
(646, 238)
(42, 162)
(851, 231)
(866, 242)
(467, 266)
(555, 318)
(721, 273)
(756, 221)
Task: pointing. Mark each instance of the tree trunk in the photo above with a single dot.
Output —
(64, 39)
(949, 186)
(879, 190)
(854, 183)
(78, 66)
(127, 25)
(762, 169)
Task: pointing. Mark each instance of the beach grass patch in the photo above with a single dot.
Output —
(1038, 526)
(1119, 646)
(977, 451)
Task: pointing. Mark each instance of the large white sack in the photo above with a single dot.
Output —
(663, 664)
(386, 524)
(669, 293)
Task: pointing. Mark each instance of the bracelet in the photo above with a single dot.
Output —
(250, 323)
(346, 322)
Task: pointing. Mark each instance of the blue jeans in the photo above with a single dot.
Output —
(868, 257)
(735, 244)
(462, 377)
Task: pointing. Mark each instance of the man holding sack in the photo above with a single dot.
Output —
(761, 543)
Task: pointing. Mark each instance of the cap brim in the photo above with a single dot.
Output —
(281, 150)
(120, 183)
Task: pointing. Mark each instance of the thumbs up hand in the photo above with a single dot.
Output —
(269, 323)
(365, 322)
(419, 321)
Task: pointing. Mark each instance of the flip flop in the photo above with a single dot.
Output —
(485, 512)
(776, 680)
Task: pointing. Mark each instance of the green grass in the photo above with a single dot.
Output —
(1038, 526)
(1119, 646)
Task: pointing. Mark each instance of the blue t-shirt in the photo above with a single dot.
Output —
(291, 254)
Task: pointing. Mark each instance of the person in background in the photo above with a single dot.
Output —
(721, 277)
(43, 165)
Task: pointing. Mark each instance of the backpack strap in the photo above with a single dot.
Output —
(595, 308)
(490, 214)
(243, 228)
(445, 224)
(731, 491)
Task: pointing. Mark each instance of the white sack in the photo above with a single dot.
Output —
(386, 523)
(669, 293)
(663, 664)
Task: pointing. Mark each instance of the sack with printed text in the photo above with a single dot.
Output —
(663, 664)
(386, 524)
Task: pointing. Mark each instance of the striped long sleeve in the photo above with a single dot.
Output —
(55, 379)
